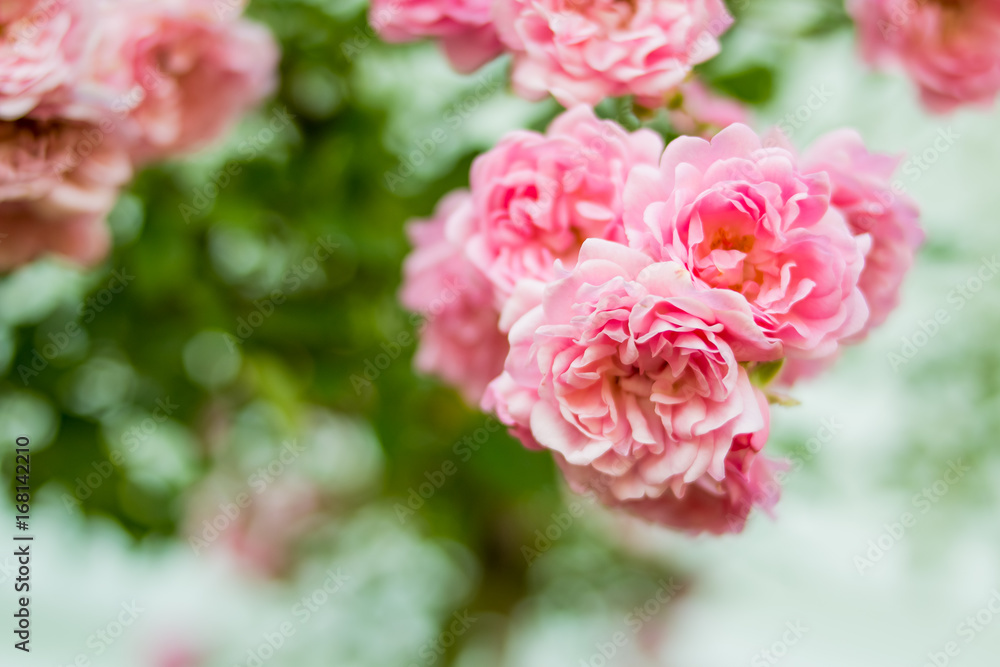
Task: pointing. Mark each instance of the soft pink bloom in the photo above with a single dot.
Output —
(702, 112)
(15, 10)
(862, 191)
(264, 536)
(42, 52)
(706, 505)
(464, 27)
(459, 341)
(745, 217)
(630, 369)
(182, 71)
(58, 182)
(537, 197)
(951, 48)
(582, 51)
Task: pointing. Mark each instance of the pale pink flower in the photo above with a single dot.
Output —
(706, 505)
(262, 536)
(699, 111)
(58, 182)
(183, 72)
(582, 51)
(464, 27)
(537, 197)
(459, 342)
(950, 48)
(862, 191)
(630, 369)
(42, 52)
(745, 217)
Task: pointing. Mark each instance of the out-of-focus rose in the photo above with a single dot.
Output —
(58, 181)
(537, 197)
(459, 341)
(582, 51)
(464, 27)
(42, 47)
(15, 10)
(630, 369)
(262, 536)
(745, 217)
(699, 111)
(862, 191)
(950, 48)
(182, 72)
(706, 505)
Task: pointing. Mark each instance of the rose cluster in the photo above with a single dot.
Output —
(89, 90)
(627, 307)
(951, 48)
(579, 51)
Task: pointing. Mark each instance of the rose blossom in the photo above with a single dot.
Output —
(183, 71)
(717, 507)
(582, 51)
(41, 54)
(862, 191)
(15, 10)
(536, 197)
(460, 341)
(58, 181)
(464, 27)
(630, 369)
(951, 48)
(745, 217)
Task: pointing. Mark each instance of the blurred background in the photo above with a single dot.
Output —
(235, 465)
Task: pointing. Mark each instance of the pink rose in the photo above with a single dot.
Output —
(702, 112)
(582, 51)
(951, 48)
(41, 54)
(706, 505)
(184, 71)
(15, 10)
(536, 197)
(464, 27)
(745, 217)
(862, 191)
(460, 341)
(629, 369)
(58, 181)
